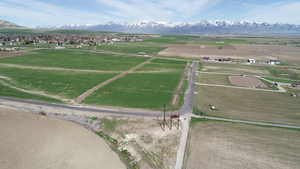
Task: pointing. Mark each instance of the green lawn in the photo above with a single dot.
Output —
(76, 59)
(9, 92)
(280, 80)
(132, 48)
(138, 91)
(160, 64)
(66, 84)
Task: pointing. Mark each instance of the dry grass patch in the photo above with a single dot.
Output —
(249, 105)
(216, 145)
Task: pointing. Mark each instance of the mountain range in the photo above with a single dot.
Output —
(203, 27)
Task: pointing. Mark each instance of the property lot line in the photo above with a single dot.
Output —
(236, 87)
(175, 99)
(248, 122)
(83, 96)
(76, 70)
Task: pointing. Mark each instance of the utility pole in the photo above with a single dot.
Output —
(164, 122)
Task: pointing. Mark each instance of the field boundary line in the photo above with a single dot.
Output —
(236, 87)
(175, 99)
(83, 96)
(248, 122)
(220, 73)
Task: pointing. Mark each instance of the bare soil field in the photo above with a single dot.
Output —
(30, 141)
(247, 81)
(218, 79)
(215, 145)
(237, 51)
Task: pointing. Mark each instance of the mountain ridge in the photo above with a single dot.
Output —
(6, 24)
(202, 27)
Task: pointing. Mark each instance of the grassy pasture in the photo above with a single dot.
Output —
(66, 84)
(282, 72)
(249, 105)
(230, 145)
(138, 91)
(76, 60)
(132, 48)
(9, 92)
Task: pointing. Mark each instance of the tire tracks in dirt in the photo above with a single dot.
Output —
(34, 92)
(89, 92)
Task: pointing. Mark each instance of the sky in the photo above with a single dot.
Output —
(33, 13)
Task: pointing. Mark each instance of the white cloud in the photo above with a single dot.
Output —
(34, 13)
(157, 9)
(282, 12)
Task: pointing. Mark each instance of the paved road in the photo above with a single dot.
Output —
(249, 122)
(81, 108)
(186, 111)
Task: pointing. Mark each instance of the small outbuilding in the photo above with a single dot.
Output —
(251, 61)
(274, 62)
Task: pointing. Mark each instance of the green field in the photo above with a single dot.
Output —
(132, 48)
(76, 60)
(160, 64)
(65, 84)
(138, 91)
(149, 90)
(9, 92)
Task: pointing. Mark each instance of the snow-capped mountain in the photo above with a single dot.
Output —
(203, 27)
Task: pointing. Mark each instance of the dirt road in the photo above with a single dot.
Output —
(82, 97)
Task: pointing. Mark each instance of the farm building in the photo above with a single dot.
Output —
(274, 62)
(251, 61)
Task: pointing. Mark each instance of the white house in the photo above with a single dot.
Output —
(251, 61)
